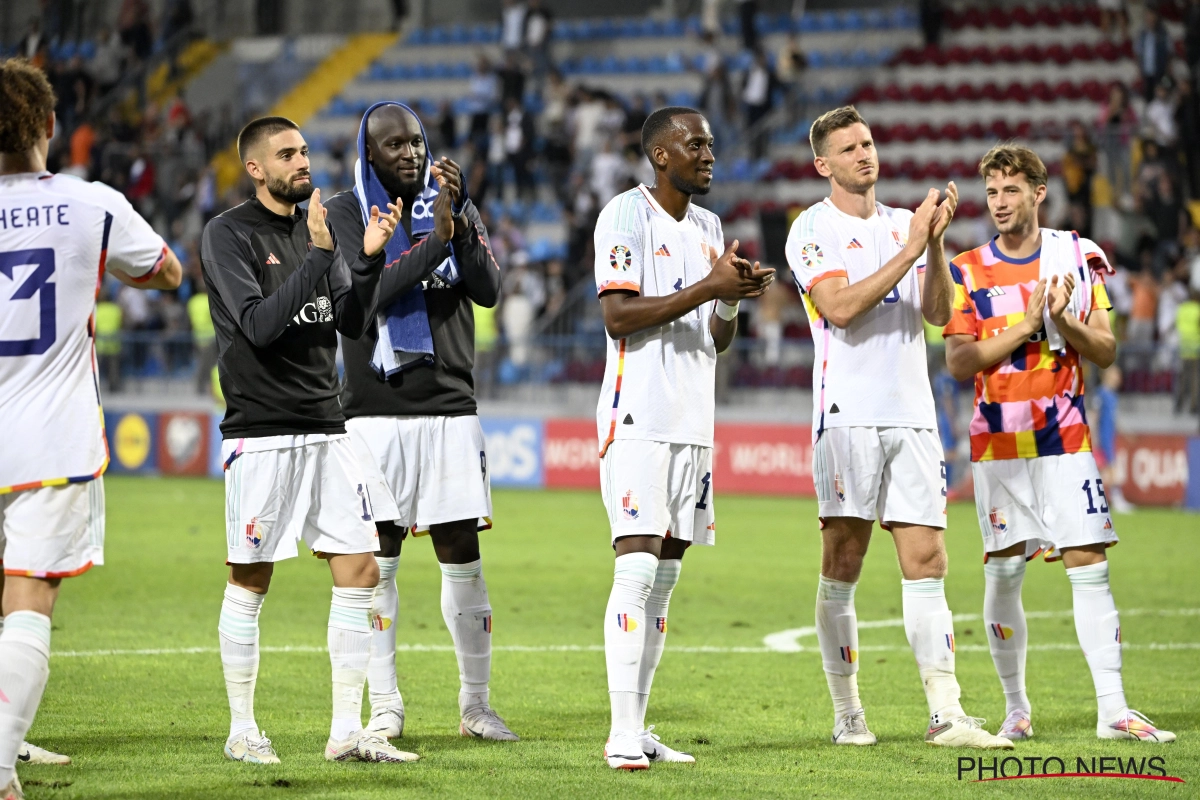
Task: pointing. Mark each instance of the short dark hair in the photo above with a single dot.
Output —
(27, 99)
(1010, 158)
(659, 122)
(259, 130)
(829, 122)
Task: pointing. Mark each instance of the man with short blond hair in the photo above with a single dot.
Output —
(868, 275)
(1029, 307)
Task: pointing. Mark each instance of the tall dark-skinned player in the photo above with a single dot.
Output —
(409, 400)
(669, 291)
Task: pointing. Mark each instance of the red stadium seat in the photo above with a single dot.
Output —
(969, 208)
(1048, 16)
(886, 170)
(941, 93)
(999, 129)
(982, 54)
(935, 170)
(1022, 130)
(1016, 91)
(1095, 91)
(924, 131)
(867, 94)
(1081, 51)
(965, 92)
(951, 132)
(1042, 91)
(999, 18)
(1032, 53)
(894, 92)
(960, 168)
(1058, 54)
(1024, 17)
(974, 17)
(1072, 14)
(1006, 53)
(1108, 51)
(959, 54)
(919, 93)
(975, 130)
(882, 134)
(991, 91)
(905, 133)
(908, 168)
(1066, 90)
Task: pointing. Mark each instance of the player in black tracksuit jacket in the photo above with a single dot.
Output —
(420, 424)
(279, 292)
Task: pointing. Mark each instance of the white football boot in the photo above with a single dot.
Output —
(1130, 724)
(852, 729)
(13, 790)
(964, 732)
(658, 752)
(623, 750)
(1017, 725)
(366, 746)
(251, 749)
(387, 722)
(32, 754)
(481, 722)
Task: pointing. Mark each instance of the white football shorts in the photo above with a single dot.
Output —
(659, 489)
(1050, 502)
(885, 474)
(434, 468)
(280, 490)
(54, 531)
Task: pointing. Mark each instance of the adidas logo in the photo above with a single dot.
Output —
(833, 409)
(662, 251)
(854, 245)
(995, 291)
(271, 259)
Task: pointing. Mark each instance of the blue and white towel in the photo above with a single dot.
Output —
(405, 339)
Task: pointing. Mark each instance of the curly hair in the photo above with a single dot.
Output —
(27, 100)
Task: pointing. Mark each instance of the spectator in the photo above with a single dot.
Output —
(483, 93)
(1116, 125)
(1187, 327)
(710, 17)
(1143, 312)
(932, 19)
(1191, 38)
(1159, 200)
(790, 67)
(1114, 20)
(83, 139)
(1078, 169)
(32, 42)
(1187, 121)
(1171, 296)
(517, 314)
(748, 14)
(108, 326)
(512, 79)
(399, 14)
(758, 97)
(1160, 119)
(518, 146)
(105, 66)
(133, 23)
(1107, 408)
(538, 27)
(635, 118)
(1152, 49)
(203, 340)
(269, 16)
(608, 173)
(512, 25)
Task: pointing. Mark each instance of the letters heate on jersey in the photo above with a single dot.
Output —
(1031, 403)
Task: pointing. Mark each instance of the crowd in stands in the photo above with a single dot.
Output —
(541, 146)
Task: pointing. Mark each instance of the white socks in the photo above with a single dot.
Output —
(837, 635)
(349, 653)
(930, 629)
(24, 670)
(1099, 630)
(665, 578)
(625, 637)
(1007, 633)
(385, 612)
(468, 615)
(238, 631)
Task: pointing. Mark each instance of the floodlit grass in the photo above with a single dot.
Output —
(144, 725)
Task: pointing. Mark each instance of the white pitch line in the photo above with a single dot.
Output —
(788, 641)
(782, 642)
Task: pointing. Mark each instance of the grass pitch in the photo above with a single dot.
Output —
(149, 725)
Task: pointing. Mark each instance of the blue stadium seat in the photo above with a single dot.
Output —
(606, 29)
(852, 21)
(877, 19)
(458, 34)
(611, 64)
(903, 17)
(827, 21)
(418, 37)
(651, 27)
(692, 26)
(817, 60)
(462, 70)
(806, 24)
(378, 72)
(589, 64)
(437, 35)
(862, 58)
(673, 27)
(672, 62)
(88, 50)
(629, 28)
(563, 30)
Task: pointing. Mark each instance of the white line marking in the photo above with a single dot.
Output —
(782, 642)
(787, 641)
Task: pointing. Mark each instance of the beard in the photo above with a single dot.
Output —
(285, 190)
(687, 187)
(855, 183)
(395, 187)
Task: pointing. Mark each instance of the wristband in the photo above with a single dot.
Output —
(726, 311)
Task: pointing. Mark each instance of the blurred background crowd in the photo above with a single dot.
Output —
(548, 134)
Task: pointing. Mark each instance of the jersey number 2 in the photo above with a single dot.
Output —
(38, 283)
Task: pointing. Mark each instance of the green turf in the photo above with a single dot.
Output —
(153, 725)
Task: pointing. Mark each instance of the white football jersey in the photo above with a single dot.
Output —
(659, 384)
(58, 234)
(873, 372)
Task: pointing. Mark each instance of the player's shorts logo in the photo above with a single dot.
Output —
(487, 624)
(950, 641)
(661, 624)
(1118, 636)
(839, 487)
(811, 255)
(254, 533)
(1001, 632)
(620, 257)
(848, 655)
(999, 523)
(1108, 523)
(380, 622)
(629, 505)
(626, 623)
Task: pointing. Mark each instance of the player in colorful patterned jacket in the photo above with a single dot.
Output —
(1030, 306)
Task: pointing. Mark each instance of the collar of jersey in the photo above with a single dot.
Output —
(644, 189)
(1009, 259)
(878, 212)
(279, 219)
(25, 176)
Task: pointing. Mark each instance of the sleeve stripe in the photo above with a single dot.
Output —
(609, 286)
(162, 257)
(833, 273)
